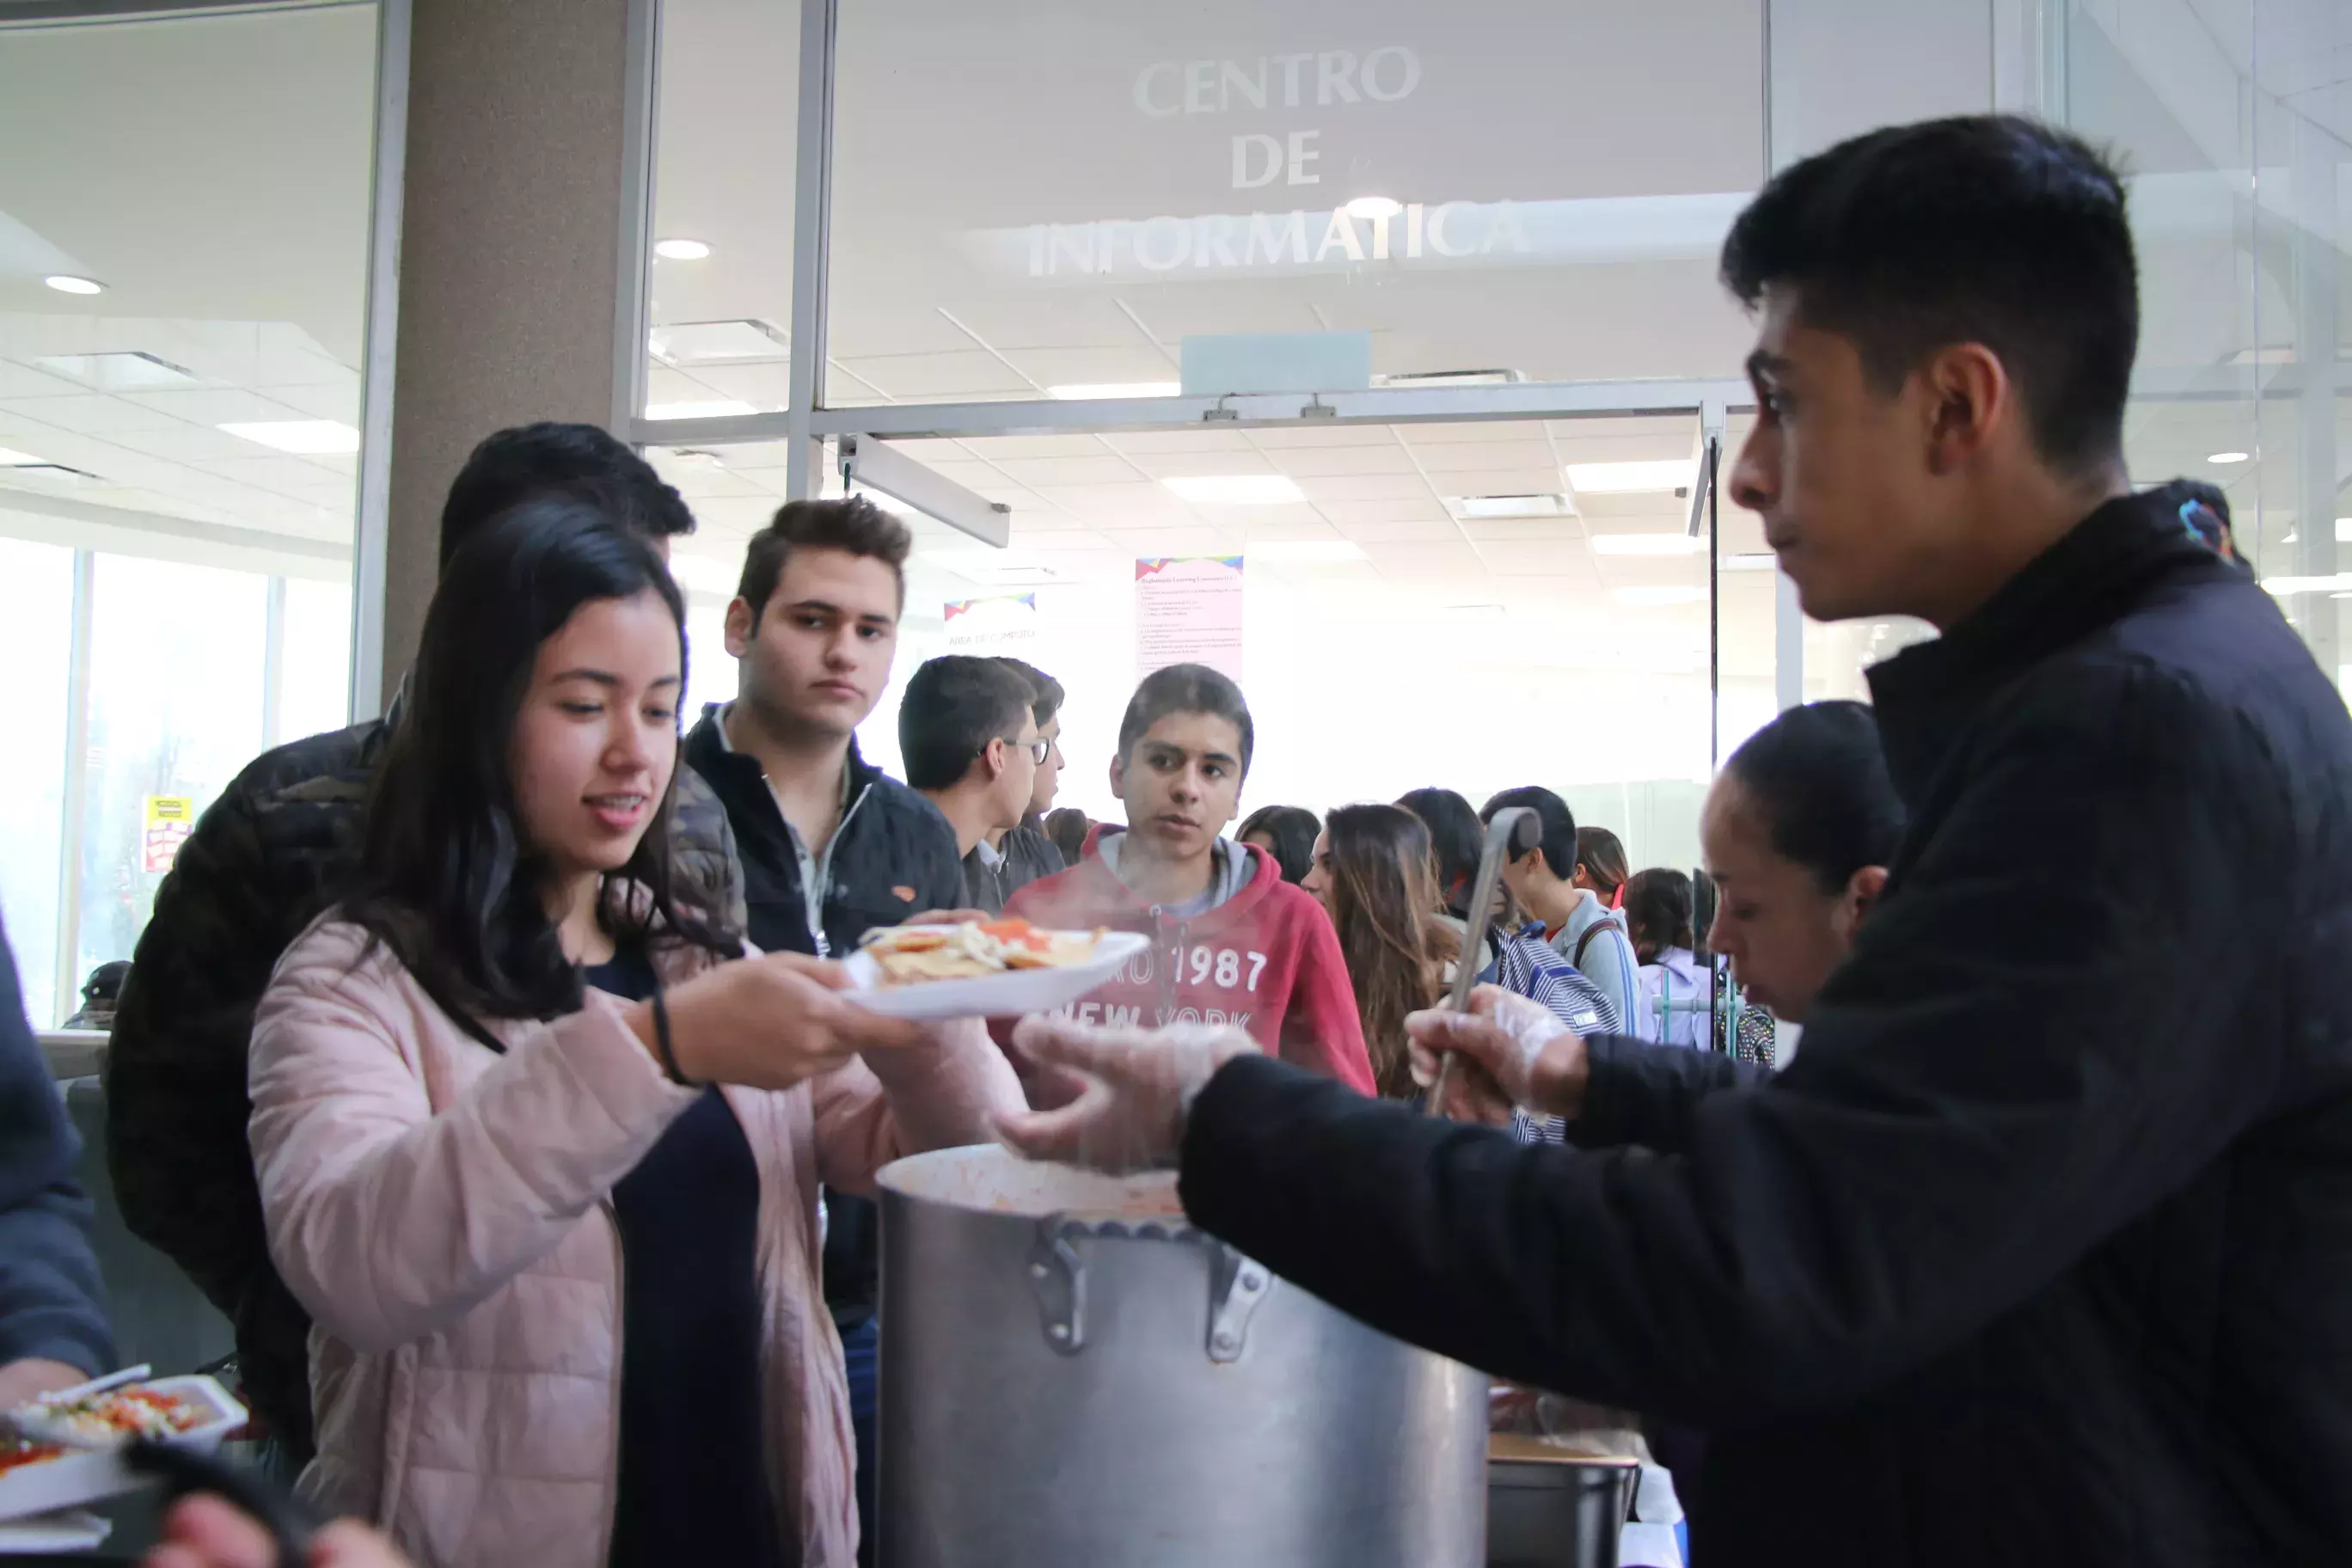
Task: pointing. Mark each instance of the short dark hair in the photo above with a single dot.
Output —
(1455, 837)
(1558, 824)
(1049, 691)
(1983, 228)
(1293, 829)
(1818, 776)
(574, 462)
(1186, 688)
(953, 707)
(856, 525)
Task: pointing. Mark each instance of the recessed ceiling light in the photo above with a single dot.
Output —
(1647, 545)
(2225, 457)
(1084, 391)
(12, 459)
(2282, 586)
(1304, 550)
(1451, 378)
(1375, 208)
(308, 437)
(714, 408)
(1624, 478)
(736, 342)
(1474, 508)
(1761, 561)
(1236, 489)
(2344, 530)
(66, 283)
(1658, 596)
(680, 250)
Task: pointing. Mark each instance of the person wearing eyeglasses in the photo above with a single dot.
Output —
(967, 737)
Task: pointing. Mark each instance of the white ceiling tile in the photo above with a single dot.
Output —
(1453, 456)
(928, 376)
(1523, 529)
(211, 406)
(1398, 508)
(996, 448)
(181, 442)
(1497, 481)
(1400, 487)
(1095, 470)
(1174, 540)
(1408, 559)
(92, 413)
(1389, 459)
(1367, 531)
(1543, 558)
(1473, 430)
(24, 381)
(1190, 465)
(1276, 436)
(1181, 441)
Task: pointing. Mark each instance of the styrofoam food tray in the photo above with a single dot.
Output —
(85, 1474)
(1007, 996)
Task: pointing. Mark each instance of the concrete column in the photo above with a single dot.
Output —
(509, 264)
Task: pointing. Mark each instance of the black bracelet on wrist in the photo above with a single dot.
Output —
(662, 1046)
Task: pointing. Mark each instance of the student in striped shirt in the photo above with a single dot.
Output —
(1543, 880)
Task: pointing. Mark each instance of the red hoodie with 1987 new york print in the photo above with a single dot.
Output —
(1265, 959)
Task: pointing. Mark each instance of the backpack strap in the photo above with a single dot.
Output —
(1606, 921)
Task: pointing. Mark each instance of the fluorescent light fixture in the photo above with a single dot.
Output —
(1087, 390)
(1326, 550)
(1658, 596)
(2344, 530)
(1236, 489)
(1626, 479)
(120, 372)
(714, 408)
(1451, 378)
(12, 459)
(1473, 612)
(1647, 545)
(1375, 208)
(1472, 508)
(2282, 586)
(2225, 457)
(66, 283)
(737, 342)
(1763, 561)
(307, 436)
(680, 250)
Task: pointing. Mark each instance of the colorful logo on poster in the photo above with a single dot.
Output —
(170, 819)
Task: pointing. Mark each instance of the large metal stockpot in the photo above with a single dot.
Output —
(1072, 1376)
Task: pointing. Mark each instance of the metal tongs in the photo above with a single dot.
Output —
(1512, 833)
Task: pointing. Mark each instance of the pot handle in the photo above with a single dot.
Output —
(1236, 1287)
(1058, 1275)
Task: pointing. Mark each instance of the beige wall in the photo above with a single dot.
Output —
(510, 251)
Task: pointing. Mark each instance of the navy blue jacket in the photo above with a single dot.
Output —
(2040, 1250)
(52, 1304)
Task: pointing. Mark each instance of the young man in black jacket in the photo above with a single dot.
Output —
(265, 859)
(831, 847)
(2041, 1252)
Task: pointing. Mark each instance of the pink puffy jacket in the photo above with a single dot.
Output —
(442, 1210)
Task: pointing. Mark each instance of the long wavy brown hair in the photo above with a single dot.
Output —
(1385, 905)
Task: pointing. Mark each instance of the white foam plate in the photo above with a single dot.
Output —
(69, 1530)
(1012, 994)
(85, 1474)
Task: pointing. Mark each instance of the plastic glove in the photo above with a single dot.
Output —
(1135, 1088)
(1512, 1047)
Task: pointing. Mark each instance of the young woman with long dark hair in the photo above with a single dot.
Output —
(539, 1162)
(1375, 877)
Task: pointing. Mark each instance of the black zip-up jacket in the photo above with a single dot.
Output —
(893, 856)
(2040, 1250)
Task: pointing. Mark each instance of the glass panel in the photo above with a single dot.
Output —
(37, 649)
(1058, 197)
(182, 398)
(1476, 605)
(720, 295)
(178, 655)
(314, 671)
